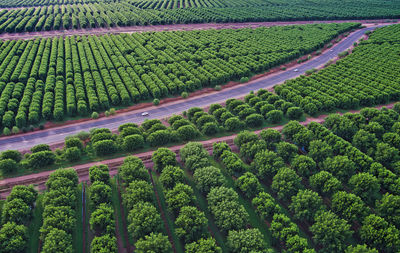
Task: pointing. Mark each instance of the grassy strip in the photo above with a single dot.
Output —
(88, 233)
(34, 226)
(202, 202)
(254, 219)
(117, 208)
(170, 220)
(77, 236)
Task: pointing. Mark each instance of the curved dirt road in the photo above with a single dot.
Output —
(56, 135)
(157, 28)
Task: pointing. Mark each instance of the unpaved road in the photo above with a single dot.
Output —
(155, 28)
(58, 134)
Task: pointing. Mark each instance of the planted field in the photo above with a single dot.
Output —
(325, 188)
(52, 79)
(66, 14)
(367, 77)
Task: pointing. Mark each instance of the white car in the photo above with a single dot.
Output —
(296, 70)
(145, 114)
(331, 50)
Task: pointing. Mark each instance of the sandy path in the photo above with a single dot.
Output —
(174, 27)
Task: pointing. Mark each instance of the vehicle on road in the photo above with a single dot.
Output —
(296, 70)
(145, 114)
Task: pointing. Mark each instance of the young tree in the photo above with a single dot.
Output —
(13, 237)
(171, 175)
(324, 183)
(378, 233)
(203, 245)
(8, 166)
(207, 178)
(366, 186)
(136, 192)
(163, 157)
(265, 205)
(143, 219)
(155, 242)
(191, 224)
(246, 241)
(181, 195)
(389, 208)
(303, 165)
(306, 204)
(340, 166)
(57, 241)
(249, 185)
(99, 192)
(349, 206)
(319, 150)
(286, 183)
(104, 243)
(330, 232)
(11, 154)
(102, 219)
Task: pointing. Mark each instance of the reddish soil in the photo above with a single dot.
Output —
(174, 27)
(162, 213)
(129, 247)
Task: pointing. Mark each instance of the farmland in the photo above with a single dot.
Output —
(52, 79)
(59, 15)
(256, 138)
(323, 187)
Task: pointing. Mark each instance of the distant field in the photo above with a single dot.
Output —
(58, 15)
(57, 78)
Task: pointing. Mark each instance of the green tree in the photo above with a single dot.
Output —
(248, 240)
(163, 157)
(133, 142)
(133, 169)
(274, 116)
(386, 154)
(11, 154)
(286, 183)
(41, 159)
(13, 238)
(8, 166)
(366, 186)
(331, 232)
(143, 219)
(61, 217)
(306, 204)
(245, 137)
(99, 193)
(72, 154)
(378, 233)
(303, 165)
(137, 191)
(266, 164)
(271, 137)
(360, 249)
(188, 132)
(155, 243)
(207, 178)
(319, 150)
(249, 185)
(324, 183)
(191, 224)
(16, 210)
(99, 173)
(389, 208)
(286, 150)
(340, 166)
(181, 195)
(102, 219)
(27, 193)
(265, 205)
(103, 244)
(171, 175)
(74, 142)
(283, 228)
(57, 241)
(204, 245)
(365, 141)
(349, 206)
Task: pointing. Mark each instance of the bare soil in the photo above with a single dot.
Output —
(173, 27)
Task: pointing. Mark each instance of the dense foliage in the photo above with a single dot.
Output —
(54, 78)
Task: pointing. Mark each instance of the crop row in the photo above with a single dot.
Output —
(55, 78)
(349, 83)
(106, 14)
